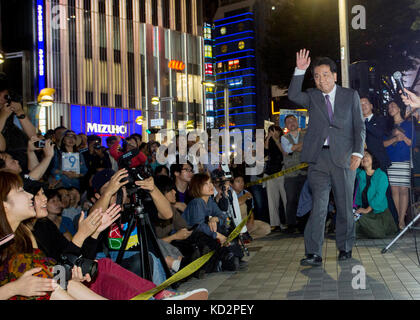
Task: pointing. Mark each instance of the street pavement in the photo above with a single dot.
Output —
(274, 272)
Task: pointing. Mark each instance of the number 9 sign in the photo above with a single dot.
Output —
(71, 162)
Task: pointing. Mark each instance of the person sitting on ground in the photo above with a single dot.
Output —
(177, 232)
(228, 202)
(256, 228)
(182, 175)
(110, 185)
(204, 213)
(22, 253)
(112, 281)
(375, 220)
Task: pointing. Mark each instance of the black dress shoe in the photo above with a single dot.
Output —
(344, 255)
(311, 260)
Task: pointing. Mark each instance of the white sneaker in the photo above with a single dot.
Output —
(198, 294)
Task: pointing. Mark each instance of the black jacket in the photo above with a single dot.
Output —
(53, 244)
(376, 129)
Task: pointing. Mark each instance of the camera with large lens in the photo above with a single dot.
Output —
(139, 173)
(68, 261)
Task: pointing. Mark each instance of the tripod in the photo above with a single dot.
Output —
(410, 225)
(144, 228)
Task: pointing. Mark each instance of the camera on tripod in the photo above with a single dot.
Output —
(68, 261)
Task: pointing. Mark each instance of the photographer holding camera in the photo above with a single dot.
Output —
(15, 126)
(36, 169)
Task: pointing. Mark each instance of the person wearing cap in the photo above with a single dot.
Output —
(61, 170)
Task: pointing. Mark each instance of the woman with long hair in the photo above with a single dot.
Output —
(22, 253)
(375, 220)
(398, 145)
(112, 281)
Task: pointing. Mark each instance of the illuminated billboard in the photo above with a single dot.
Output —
(105, 122)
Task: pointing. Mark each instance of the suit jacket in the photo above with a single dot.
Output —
(375, 131)
(346, 131)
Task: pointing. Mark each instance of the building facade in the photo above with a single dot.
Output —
(237, 32)
(107, 59)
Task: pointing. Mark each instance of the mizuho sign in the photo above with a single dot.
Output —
(106, 128)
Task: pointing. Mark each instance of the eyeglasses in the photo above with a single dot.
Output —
(188, 170)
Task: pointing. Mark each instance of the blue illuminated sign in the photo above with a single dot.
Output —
(105, 122)
(232, 17)
(41, 44)
(226, 24)
(235, 40)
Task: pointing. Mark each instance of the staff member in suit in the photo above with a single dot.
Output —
(376, 129)
(333, 147)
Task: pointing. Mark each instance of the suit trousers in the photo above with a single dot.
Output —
(276, 195)
(323, 176)
(293, 186)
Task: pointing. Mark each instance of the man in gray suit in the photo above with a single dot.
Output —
(333, 147)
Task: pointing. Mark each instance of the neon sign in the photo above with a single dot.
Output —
(176, 65)
(106, 128)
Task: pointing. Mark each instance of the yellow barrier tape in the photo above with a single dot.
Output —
(278, 174)
(192, 267)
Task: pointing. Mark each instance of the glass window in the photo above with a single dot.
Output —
(178, 17)
(188, 15)
(116, 8)
(155, 20)
(101, 6)
(142, 7)
(207, 33)
(208, 51)
(166, 13)
(129, 9)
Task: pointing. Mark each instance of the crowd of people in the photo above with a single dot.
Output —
(65, 193)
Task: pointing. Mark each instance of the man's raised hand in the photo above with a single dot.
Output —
(303, 61)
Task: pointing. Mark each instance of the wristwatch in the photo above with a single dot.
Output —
(22, 116)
